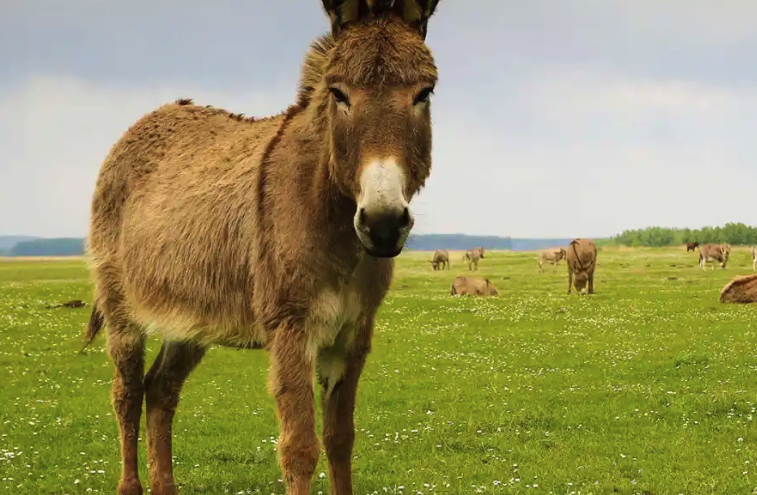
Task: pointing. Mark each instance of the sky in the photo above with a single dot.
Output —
(550, 118)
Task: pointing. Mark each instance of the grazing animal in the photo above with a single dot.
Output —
(209, 227)
(741, 289)
(691, 246)
(472, 286)
(440, 260)
(714, 252)
(473, 256)
(581, 260)
(550, 256)
(754, 258)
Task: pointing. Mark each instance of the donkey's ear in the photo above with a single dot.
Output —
(343, 12)
(416, 13)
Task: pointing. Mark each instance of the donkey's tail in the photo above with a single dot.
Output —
(95, 324)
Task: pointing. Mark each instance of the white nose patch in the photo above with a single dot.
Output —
(382, 186)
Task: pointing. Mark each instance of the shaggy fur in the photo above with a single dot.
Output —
(440, 260)
(208, 227)
(472, 286)
(551, 256)
(582, 260)
(740, 290)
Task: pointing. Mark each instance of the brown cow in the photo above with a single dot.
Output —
(473, 256)
(714, 252)
(552, 256)
(581, 261)
(472, 286)
(440, 260)
(741, 289)
(754, 258)
(209, 227)
(691, 246)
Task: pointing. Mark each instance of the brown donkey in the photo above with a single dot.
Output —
(209, 227)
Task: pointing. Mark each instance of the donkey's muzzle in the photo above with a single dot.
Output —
(383, 234)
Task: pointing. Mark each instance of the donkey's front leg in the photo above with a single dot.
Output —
(291, 381)
(340, 371)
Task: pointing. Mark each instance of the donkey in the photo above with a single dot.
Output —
(691, 246)
(581, 258)
(208, 227)
(473, 256)
(440, 260)
(551, 256)
(714, 252)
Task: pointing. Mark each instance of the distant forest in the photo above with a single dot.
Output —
(736, 234)
(64, 246)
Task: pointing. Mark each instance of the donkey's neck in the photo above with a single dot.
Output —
(318, 209)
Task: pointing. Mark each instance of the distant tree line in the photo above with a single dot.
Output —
(456, 242)
(64, 246)
(733, 233)
(736, 234)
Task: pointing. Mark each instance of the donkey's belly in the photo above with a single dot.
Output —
(181, 322)
(192, 303)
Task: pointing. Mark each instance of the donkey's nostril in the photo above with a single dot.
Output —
(405, 219)
(361, 216)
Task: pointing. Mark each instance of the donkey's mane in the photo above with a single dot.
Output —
(313, 68)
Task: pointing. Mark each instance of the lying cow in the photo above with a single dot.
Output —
(582, 260)
(741, 289)
(440, 259)
(714, 252)
(472, 286)
(551, 256)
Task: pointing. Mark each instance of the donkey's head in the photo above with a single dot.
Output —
(375, 85)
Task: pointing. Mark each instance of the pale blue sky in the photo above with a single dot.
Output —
(551, 118)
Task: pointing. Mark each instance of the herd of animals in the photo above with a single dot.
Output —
(277, 233)
(581, 258)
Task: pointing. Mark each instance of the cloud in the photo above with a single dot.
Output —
(550, 119)
(608, 153)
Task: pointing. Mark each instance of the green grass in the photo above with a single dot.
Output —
(648, 387)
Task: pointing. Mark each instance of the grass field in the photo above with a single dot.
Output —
(649, 387)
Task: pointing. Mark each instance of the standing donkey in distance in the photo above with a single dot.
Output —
(278, 233)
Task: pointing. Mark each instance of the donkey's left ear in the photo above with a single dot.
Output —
(416, 13)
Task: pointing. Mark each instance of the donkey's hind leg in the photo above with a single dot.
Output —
(126, 349)
(163, 384)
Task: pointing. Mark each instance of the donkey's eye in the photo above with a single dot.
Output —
(339, 96)
(424, 95)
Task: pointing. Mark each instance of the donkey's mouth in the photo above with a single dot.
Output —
(383, 253)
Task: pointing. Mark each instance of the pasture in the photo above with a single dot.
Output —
(649, 386)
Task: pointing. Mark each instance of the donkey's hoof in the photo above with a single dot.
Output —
(163, 489)
(132, 487)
